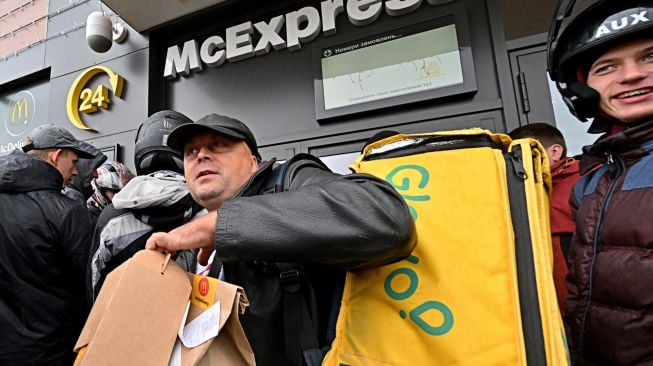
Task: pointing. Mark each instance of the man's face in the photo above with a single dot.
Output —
(215, 167)
(623, 76)
(66, 163)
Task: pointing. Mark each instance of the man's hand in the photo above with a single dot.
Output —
(199, 233)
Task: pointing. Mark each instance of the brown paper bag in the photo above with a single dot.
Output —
(230, 347)
(137, 314)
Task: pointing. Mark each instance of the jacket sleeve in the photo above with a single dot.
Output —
(76, 241)
(351, 221)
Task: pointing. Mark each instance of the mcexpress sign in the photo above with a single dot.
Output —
(302, 26)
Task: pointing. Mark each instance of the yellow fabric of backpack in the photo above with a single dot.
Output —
(478, 288)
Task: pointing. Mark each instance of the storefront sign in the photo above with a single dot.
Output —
(91, 99)
(18, 118)
(302, 26)
(20, 112)
(410, 60)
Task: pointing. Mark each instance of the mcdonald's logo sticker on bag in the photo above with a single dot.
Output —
(203, 287)
(203, 294)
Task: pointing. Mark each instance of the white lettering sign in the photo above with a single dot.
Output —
(302, 26)
(10, 146)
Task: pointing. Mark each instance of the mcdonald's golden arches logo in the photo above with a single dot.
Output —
(19, 109)
(19, 113)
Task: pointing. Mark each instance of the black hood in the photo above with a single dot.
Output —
(21, 172)
(85, 168)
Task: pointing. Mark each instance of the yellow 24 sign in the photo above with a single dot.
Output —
(91, 100)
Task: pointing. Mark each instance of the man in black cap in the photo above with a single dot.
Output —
(323, 222)
(45, 238)
(236, 155)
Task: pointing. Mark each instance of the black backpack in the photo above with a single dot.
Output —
(299, 322)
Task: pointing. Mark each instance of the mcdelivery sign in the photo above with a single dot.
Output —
(302, 26)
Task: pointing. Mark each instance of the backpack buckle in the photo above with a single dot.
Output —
(290, 280)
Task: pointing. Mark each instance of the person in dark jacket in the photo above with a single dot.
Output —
(80, 187)
(157, 199)
(601, 58)
(564, 174)
(326, 222)
(44, 238)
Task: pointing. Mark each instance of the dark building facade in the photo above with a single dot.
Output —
(307, 76)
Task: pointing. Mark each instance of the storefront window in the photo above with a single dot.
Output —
(339, 163)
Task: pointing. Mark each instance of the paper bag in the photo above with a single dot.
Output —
(230, 347)
(137, 314)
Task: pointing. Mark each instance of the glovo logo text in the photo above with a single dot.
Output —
(90, 99)
(410, 181)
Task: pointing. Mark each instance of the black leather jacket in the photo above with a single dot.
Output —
(328, 222)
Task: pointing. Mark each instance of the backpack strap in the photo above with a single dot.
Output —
(287, 170)
(297, 320)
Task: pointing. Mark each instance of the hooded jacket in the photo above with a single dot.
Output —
(44, 243)
(563, 176)
(80, 187)
(329, 223)
(610, 302)
(155, 202)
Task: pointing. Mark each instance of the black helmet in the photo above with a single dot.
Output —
(151, 153)
(580, 32)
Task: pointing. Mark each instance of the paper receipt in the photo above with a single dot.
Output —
(202, 328)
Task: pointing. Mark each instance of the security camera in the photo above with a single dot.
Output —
(99, 32)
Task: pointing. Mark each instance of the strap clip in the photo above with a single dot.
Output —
(290, 280)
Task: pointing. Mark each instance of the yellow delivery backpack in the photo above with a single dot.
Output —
(478, 288)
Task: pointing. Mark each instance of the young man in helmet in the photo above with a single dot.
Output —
(601, 57)
(323, 222)
(156, 200)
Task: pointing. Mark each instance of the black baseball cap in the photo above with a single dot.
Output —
(213, 123)
(50, 137)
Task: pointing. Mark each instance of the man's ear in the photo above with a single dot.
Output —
(54, 155)
(555, 153)
(254, 163)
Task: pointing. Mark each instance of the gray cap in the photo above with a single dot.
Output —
(50, 137)
(213, 123)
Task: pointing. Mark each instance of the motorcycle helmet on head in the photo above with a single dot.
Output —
(580, 32)
(111, 176)
(151, 153)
